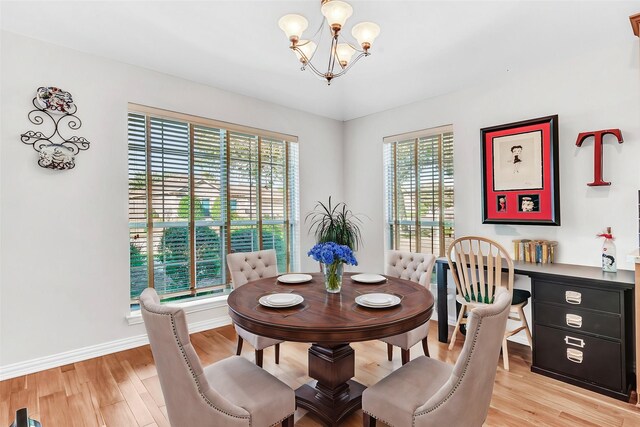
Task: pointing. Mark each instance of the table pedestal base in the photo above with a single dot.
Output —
(331, 413)
(334, 395)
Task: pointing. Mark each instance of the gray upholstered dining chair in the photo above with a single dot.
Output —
(244, 267)
(231, 392)
(416, 267)
(428, 392)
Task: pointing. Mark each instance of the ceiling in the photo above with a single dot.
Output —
(425, 49)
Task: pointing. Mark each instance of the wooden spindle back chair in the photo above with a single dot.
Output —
(476, 264)
(478, 268)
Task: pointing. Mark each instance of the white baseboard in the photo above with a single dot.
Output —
(60, 359)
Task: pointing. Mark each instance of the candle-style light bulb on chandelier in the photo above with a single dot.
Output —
(341, 53)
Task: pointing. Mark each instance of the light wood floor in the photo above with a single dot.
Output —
(122, 389)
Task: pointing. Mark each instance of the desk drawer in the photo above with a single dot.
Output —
(577, 296)
(593, 360)
(576, 320)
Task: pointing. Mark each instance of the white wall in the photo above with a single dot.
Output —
(596, 91)
(64, 235)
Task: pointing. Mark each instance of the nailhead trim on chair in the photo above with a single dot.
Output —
(280, 421)
(193, 374)
(464, 372)
(378, 418)
(455, 387)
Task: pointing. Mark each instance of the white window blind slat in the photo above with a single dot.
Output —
(197, 193)
(208, 167)
(419, 191)
(293, 207)
(138, 247)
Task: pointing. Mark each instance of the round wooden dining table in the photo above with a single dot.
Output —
(330, 322)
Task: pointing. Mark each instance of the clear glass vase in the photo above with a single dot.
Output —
(333, 276)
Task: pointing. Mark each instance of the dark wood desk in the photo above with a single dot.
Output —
(330, 322)
(567, 271)
(582, 324)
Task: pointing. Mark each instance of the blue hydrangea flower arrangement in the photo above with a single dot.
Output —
(330, 252)
(333, 257)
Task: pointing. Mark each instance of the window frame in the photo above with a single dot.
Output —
(290, 222)
(417, 220)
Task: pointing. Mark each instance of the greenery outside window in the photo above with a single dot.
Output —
(418, 170)
(200, 189)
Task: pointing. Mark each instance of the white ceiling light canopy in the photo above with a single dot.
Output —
(336, 13)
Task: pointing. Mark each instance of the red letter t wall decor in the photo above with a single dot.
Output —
(597, 155)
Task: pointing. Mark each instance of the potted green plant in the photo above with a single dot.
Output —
(335, 223)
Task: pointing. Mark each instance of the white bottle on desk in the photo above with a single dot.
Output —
(609, 253)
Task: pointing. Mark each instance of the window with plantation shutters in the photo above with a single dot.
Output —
(418, 171)
(200, 189)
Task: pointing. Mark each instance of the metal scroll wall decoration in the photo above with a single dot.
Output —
(56, 112)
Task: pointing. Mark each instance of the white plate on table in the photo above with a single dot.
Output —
(378, 300)
(368, 278)
(280, 300)
(294, 278)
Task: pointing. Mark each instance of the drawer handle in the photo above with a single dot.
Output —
(574, 320)
(577, 342)
(573, 297)
(574, 355)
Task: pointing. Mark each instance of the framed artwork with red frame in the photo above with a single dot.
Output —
(520, 177)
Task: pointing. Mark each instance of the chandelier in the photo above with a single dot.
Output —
(341, 53)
